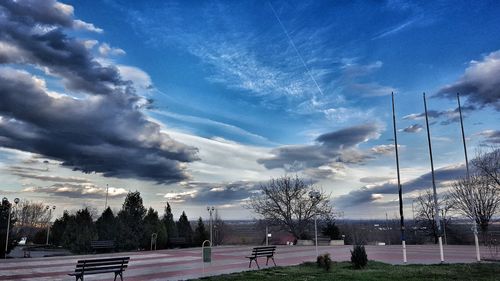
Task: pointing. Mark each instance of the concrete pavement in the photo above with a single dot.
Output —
(181, 264)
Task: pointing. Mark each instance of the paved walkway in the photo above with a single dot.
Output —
(181, 264)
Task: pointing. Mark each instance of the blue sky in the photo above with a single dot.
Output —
(198, 103)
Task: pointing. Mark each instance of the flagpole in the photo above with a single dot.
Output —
(400, 190)
(436, 208)
(473, 199)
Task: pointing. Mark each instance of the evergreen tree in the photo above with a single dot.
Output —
(79, 231)
(130, 222)
(184, 229)
(58, 228)
(330, 229)
(152, 224)
(170, 226)
(200, 233)
(107, 225)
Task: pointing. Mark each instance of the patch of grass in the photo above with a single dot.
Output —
(374, 271)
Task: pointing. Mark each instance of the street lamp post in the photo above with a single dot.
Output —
(315, 195)
(6, 202)
(210, 211)
(48, 223)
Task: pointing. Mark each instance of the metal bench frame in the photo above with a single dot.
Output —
(98, 266)
(265, 251)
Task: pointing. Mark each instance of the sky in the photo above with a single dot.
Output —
(198, 103)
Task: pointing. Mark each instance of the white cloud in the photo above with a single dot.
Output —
(141, 79)
(106, 50)
(79, 24)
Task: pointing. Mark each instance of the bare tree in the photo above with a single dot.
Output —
(426, 212)
(32, 214)
(487, 164)
(285, 202)
(481, 195)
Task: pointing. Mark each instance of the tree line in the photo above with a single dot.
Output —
(130, 229)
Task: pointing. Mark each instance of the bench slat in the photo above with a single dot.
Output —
(101, 263)
(104, 260)
(104, 268)
(94, 265)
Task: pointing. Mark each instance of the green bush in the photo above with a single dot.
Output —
(324, 261)
(359, 259)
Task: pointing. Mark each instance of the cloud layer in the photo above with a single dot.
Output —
(337, 146)
(373, 192)
(95, 126)
(479, 83)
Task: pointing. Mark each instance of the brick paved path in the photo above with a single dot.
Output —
(181, 264)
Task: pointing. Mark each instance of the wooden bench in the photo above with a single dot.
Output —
(102, 244)
(98, 266)
(265, 251)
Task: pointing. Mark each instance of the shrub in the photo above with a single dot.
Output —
(359, 259)
(324, 261)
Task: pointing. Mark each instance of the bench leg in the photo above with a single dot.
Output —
(118, 273)
(257, 263)
(270, 258)
(250, 264)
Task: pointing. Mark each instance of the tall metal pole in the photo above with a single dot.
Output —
(473, 199)
(48, 224)
(400, 189)
(436, 207)
(210, 211)
(8, 230)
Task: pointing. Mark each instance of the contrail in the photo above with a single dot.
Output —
(295, 48)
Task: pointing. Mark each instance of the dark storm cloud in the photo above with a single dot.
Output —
(450, 116)
(371, 193)
(479, 84)
(338, 146)
(491, 136)
(104, 131)
(415, 128)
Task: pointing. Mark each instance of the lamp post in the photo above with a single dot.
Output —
(210, 211)
(48, 223)
(315, 195)
(6, 202)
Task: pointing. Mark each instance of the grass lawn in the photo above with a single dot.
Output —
(374, 271)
